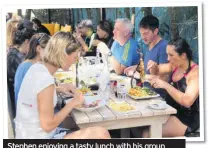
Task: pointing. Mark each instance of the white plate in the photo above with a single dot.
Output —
(158, 107)
(89, 100)
(146, 97)
(124, 112)
(90, 109)
(117, 77)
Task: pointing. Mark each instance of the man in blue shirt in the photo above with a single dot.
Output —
(124, 49)
(149, 29)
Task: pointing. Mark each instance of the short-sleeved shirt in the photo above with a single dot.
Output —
(88, 41)
(157, 54)
(19, 76)
(127, 54)
(14, 58)
(27, 122)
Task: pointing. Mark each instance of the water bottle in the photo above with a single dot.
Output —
(121, 92)
(107, 91)
(104, 82)
(98, 56)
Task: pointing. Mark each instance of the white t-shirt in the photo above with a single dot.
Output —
(27, 122)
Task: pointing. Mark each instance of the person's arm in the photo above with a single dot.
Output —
(130, 69)
(118, 67)
(83, 44)
(66, 88)
(160, 69)
(191, 93)
(49, 120)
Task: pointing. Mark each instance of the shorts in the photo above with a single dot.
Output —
(60, 133)
(190, 120)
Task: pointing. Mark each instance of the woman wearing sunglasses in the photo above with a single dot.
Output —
(35, 117)
(36, 51)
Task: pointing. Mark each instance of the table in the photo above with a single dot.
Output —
(110, 119)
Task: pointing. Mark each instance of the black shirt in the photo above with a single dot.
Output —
(43, 29)
(14, 58)
(108, 41)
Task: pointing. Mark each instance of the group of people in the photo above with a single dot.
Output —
(33, 58)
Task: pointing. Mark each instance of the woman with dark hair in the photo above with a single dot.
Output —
(16, 56)
(36, 51)
(38, 27)
(104, 33)
(182, 88)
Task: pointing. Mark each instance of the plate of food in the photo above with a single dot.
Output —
(89, 81)
(86, 91)
(121, 107)
(142, 93)
(91, 103)
(63, 77)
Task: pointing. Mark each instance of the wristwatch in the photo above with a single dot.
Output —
(110, 53)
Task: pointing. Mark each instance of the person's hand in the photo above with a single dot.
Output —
(158, 83)
(103, 48)
(67, 89)
(95, 42)
(129, 70)
(79, 38)
(78, 99)
(152, 67)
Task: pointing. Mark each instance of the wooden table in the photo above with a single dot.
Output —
(110, 119)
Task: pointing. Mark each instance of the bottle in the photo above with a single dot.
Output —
(104, 81)
(97, 56)
(107, 91)
(142, 70)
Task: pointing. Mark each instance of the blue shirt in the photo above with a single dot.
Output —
(19, 76)
(157, 54)
(127, 54)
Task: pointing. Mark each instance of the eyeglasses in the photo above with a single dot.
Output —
(39, 40)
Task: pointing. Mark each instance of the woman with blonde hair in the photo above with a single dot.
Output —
(37, 96)
(11, 28)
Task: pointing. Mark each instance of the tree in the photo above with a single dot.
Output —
(28, 14)
(173, 28)
(147, 11)
(19, 12)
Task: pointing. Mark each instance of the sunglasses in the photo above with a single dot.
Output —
(39, 40)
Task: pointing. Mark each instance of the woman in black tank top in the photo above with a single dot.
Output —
(182, 88)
